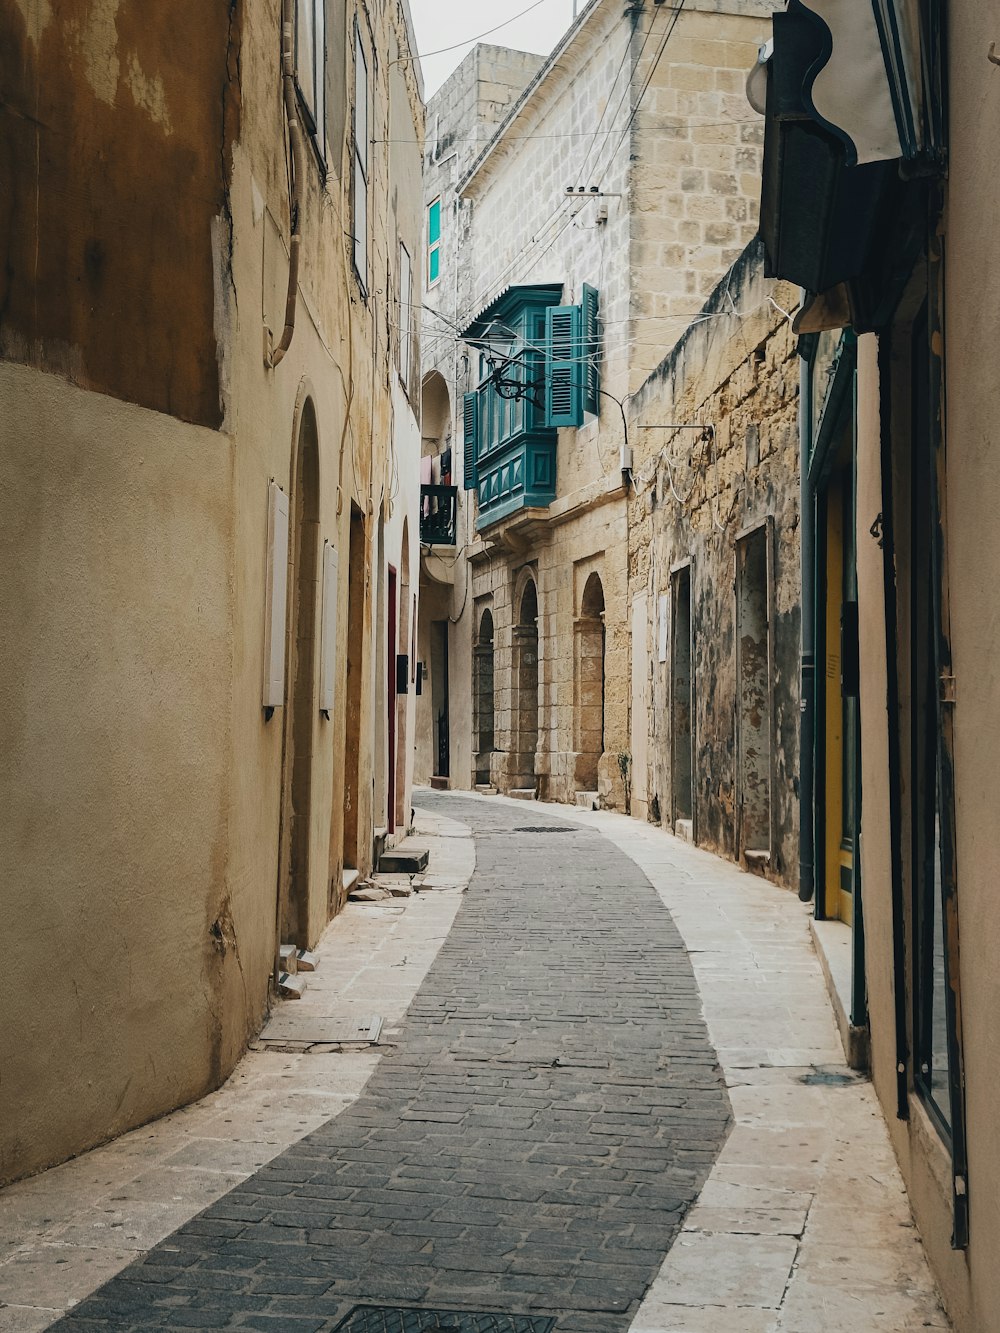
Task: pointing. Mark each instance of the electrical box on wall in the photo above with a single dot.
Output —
(328, 657)
(275, 597)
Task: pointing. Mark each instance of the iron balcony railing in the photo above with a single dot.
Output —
(438, 515)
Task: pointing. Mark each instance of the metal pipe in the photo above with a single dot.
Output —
(807, 663)
(298, 175)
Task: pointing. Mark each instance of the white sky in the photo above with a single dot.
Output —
(441, 23)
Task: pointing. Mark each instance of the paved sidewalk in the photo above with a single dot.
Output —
(65, 1232)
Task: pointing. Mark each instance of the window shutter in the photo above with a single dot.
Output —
(564, 373)
(591, 350)
(470, 433)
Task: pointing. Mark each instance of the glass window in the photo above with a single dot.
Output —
(405, 315)
(433, 242)
(360, 158)
(310, 67)
(931, 1025)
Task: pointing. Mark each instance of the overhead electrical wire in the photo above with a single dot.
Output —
(649, 77)
(443, 50)
(537, 239)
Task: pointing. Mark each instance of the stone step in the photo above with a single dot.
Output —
(350, 878)
(440, 784)
(522, 793)
(288, 958)
(684, 828)
(486, 789)
(306, 960)
(586, 800)
(403, 861)
(291, 987)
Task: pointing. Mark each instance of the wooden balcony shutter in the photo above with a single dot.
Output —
(470, 437)
(591, 350)
(565, 369)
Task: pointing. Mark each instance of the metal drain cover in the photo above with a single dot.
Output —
(543, 828)
(396, 1319)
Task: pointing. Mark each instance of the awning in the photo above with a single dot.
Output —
(853, 111)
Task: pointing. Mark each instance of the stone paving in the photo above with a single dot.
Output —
(532, 1144)
(801, 1227)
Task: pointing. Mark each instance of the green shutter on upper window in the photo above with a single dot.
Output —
(564, 369)
(591, 351)
(470, 437)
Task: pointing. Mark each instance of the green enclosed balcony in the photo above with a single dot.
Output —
(537, 372)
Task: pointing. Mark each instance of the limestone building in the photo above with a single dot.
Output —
(588, 229)
(884, 210)
(209, 393)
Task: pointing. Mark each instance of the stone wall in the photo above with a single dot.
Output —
(697, 147)
(721, 501)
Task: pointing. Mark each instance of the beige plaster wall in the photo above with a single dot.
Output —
(146, 787)
(115, 665)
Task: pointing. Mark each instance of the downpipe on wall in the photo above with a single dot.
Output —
(807, 663)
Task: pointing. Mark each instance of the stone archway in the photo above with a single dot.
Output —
(588, 711)
(525, 693)
(483, 697)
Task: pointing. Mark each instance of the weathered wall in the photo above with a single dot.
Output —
(109, 111)
(114, 677)
(695, 494)
(147, 801)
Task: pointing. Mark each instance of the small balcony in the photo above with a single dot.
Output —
(438, 515)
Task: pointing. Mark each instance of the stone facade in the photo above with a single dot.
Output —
(166, 830)
(714, 566)
(630, 163)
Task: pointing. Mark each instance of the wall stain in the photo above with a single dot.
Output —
(117, 161)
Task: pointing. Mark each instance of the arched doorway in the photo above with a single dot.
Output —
(483, 698)
(405, 661)
(588, 713)
(525, 664)
(301, 712)
(357, 663)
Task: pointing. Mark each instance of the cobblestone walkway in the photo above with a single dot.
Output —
(531, 1145)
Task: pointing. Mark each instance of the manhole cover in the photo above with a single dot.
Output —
(395, 1319)
(542, 828)
(332, 1029)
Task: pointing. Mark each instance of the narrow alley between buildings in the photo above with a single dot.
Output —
(617, 1100)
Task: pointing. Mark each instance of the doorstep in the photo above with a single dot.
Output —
(834, 947)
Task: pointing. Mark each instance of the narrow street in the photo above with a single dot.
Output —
(553, 1119)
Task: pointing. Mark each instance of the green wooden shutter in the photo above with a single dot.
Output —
(470, 436)
(564, 371)
(591, 350)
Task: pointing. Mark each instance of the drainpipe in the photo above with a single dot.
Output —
(807, 700)
(298, 175)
